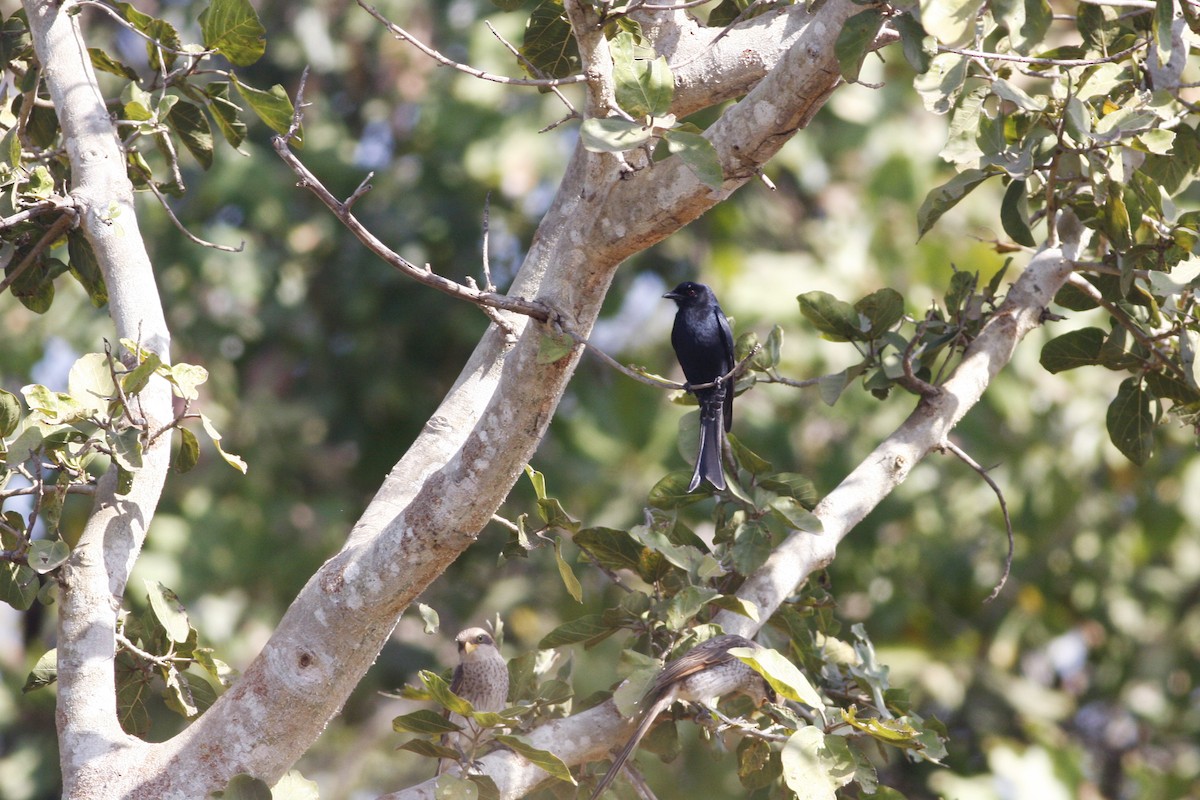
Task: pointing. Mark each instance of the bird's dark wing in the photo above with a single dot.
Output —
(456, 679)
(726, 334)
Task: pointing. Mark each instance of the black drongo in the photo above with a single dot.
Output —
(703, 344)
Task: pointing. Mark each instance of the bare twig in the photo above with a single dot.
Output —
(910, 380)
(1085, 286)
(82, 488)
(60, 226)
(426, 276)
(574, 114)
(36, 210)
(112, 12)
(951, 447)
(182, 229)
(1048, 62)
(405, 36)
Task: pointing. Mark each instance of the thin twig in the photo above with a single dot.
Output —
(973, 464)
(910, 380)
(36, 210)
(425, 276)
(77, 488)
(60, 226)
(488, 285)
(160, 661)
(182, 229)
(1048, 62)
(574, 114)
(1085, 286)
(112, 12)
(405, 36)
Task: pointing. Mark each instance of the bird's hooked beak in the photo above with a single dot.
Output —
(467, 647)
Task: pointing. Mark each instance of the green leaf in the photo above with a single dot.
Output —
(1130, 421)
(565, 572)
(942, 83)
(808, 769)
(951, 21)
(136, 379)
(106, 63)
(226, 113)
(883, 309)
(947, 196)
(553, 347)
(44, 672)
(589, 628)
(643, 81)
(746, 458)
(170, 613)
(10, 413)
(1079, 348)
(754, 759)
(52, 407)
(919, 47)
(794, 515)
(671, 491)
(613, 135)
(612, 548)
(424, 721)
(731, 602)
(177, 693)
(439, 690)
(188, 454)
(549, 45)
(273, 107)
(294, 786)
(687, 604)
(185, 378)
(191, 126)
(18, 585)
(232, 28)
(1026, 22)
(835, 319)
(246, 787)
(45, 555)
(424, 747)
(698, 154)
(232, 460)
(751, 547)
(126, 447)
(854, 41)
(85, 268)
(90, 383)
(1014, 214)
(429, 617)
(543, 759)
(1164, 16)
(628, 696)
(159, 31)
(782, 674)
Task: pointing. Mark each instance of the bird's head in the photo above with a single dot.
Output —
(472, 639)
(689, 293)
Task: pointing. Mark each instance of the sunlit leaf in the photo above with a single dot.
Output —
(232, 28)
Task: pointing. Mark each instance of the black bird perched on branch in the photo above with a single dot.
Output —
(701, 675)
(481, 678)
(703, 344)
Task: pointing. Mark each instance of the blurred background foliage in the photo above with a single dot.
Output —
(1080, 680)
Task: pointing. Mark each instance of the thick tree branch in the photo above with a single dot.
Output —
(925, 430)
(93, 746)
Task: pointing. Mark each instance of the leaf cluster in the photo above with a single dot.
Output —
(64, 441)
(173, 103)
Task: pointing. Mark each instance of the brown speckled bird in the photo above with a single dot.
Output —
(703, 674)
(481, 678)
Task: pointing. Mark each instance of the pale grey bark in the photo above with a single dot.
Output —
(92, 743)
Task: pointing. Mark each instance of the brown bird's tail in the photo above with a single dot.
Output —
(643, 728)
